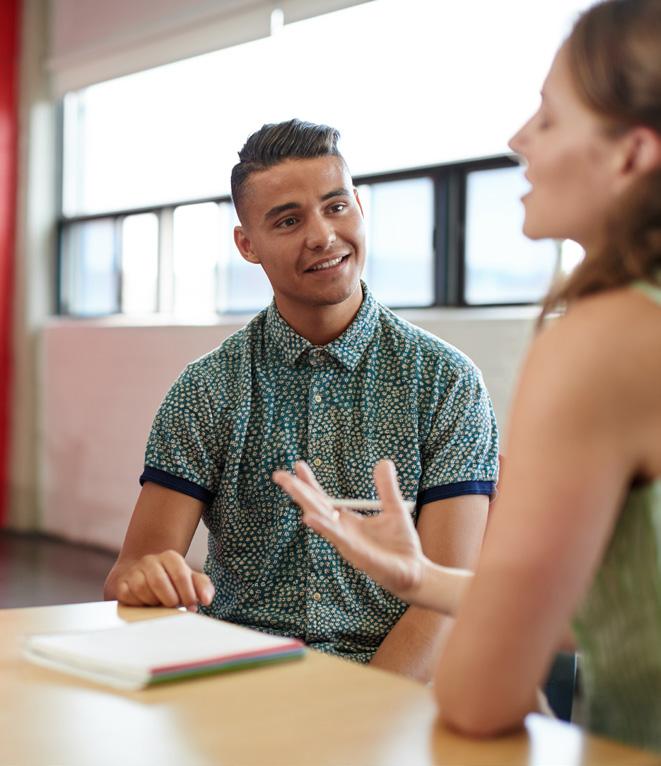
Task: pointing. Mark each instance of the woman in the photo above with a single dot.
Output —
(577, 531)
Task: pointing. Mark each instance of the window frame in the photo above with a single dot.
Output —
(449, 265)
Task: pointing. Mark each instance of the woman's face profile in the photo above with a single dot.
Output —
(569, 160)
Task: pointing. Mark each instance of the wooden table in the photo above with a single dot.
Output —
(319, 711)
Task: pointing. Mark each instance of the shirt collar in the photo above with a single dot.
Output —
(347, 349)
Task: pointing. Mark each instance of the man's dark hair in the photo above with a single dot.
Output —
(275, 143)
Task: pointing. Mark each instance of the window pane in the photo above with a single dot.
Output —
(89, 274)
(503, 266)
(400, 225)
(139, 263)
(196, 248)
(243, 286)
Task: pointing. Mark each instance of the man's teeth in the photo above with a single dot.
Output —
(327, 265)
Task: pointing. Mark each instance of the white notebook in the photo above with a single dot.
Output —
(148, 652)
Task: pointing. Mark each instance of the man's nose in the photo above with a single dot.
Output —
(319, 234)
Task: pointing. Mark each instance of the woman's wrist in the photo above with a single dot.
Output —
(438, 588)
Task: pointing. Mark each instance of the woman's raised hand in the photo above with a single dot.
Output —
(385, 546)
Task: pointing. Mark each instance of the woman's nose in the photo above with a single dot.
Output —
(515, 142)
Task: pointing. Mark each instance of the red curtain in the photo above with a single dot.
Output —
(9, 52)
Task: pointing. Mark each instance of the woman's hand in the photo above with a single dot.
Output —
(385, 546)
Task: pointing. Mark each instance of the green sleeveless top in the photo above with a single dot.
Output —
(618, 628)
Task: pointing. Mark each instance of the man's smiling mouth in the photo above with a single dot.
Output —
(328, 264)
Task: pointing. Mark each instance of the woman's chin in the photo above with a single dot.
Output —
(533, 231)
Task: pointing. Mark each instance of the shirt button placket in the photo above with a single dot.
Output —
(315, 426)
(316, 429)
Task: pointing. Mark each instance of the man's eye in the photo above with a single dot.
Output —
(338, 207)
(286, 223)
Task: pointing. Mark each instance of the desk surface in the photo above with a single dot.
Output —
(319, 711)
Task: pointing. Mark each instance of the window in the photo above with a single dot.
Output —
(89, 273)
(146, 220)
(501, 265)
(139, 248)
(400, 251)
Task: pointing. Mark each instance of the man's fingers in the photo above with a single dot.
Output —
(181, 578)
(139, 588)
(160, 583)
(164, 579)
(203, 588)
(125, 596)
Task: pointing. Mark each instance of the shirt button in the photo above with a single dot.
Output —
(317, 461)
(316, 596)
(317, 398)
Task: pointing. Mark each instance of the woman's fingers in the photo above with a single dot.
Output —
(385, 479)
(307, 496)
(304, 472)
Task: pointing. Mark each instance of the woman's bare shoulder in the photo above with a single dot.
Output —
(610, 328)
(603, 357)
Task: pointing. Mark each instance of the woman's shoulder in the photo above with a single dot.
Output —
(605, 351)
(607, 325)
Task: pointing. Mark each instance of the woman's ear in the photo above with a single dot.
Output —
(641, 151)
(244, 245)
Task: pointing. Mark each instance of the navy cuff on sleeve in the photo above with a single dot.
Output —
(455, 490)
(177, 483)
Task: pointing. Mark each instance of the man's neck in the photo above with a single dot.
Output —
(321, 324)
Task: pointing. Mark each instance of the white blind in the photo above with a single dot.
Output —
(96, 40)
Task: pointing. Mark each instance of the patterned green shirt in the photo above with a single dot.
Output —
(266, 398)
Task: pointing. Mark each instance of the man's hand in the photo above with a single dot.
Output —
(163, 579)
(385, 546)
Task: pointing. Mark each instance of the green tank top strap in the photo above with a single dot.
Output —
(650, 289)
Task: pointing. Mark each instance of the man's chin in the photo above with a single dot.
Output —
(333, 295)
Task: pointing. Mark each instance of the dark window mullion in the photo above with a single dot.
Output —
(454, 265)
(440, 237)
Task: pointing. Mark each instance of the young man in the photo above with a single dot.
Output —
(324, 374)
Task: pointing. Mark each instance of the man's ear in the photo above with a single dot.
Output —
(641, 152)
(244, 245)
(360, 204)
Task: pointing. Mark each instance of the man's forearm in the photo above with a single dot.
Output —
(412, 646)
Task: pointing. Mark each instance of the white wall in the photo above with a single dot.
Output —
(102, 382)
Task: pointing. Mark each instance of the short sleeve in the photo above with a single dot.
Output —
(460, 454)
(182, 449)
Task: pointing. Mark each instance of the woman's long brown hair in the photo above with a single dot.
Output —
(614, 56)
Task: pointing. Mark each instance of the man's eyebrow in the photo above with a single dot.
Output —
(341, 192)
(274, 212)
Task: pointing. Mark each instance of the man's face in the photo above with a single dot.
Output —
(302, 221)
